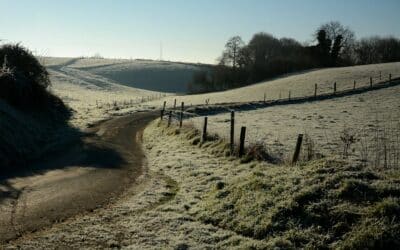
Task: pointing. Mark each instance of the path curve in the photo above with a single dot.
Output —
(88, 179)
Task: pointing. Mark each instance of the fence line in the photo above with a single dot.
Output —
(241, 151)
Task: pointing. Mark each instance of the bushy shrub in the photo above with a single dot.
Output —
(18, 58)
(24, 81)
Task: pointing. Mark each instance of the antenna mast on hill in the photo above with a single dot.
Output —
(160, 51)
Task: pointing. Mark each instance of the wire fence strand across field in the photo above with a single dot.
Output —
(178, 115)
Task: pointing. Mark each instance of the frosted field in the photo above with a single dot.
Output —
(109, 72)
(164, 76)
(93, 97)
(152, 75)
(324, 121)
(300, 84)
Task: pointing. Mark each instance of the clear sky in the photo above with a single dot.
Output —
(189, 30)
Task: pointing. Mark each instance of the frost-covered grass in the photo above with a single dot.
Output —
(323, 204)
(160, 76)
(300, 84)
(194, 197)
(85, 86)
(96, 88)
(94, 97)
(368, 117)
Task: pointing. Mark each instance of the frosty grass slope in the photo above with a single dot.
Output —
(95, 97)
(193, 198)
(190, 197)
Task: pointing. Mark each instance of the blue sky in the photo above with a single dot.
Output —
(190, 30)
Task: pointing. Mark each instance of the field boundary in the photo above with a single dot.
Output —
(200, 110)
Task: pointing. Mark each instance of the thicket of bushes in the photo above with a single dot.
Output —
(32, 119)
(266, 56)
(24, 82)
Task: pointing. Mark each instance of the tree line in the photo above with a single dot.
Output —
(266, 56)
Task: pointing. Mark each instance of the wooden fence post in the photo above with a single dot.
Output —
(315, 90)
(297, 149)
(264, 97)
(334, 88)
(174, 104)
(370, 82)
(354, 85)
(181, 114)
(163, 110)
(390, 77)
(232, 132)
(204, 135)
(242, 137)
(290, 94)
(162, 114)
(169, 117)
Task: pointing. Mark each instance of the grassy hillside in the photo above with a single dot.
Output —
(172, 77)
(300, 84)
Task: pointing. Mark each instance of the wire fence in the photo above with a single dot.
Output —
(177, 115)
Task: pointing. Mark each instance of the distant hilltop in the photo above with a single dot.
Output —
(163, 76)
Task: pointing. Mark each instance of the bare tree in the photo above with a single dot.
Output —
(377, 50)
(335, 31)
(231, 53)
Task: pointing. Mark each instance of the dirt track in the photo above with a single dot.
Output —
(78, 179)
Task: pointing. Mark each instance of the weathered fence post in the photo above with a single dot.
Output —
(232, 132)
(297, 149)
(264, 97)
(204, 135)
(334, 88)
(169, 117)
(242, 137)
(354, 85)
(370, 82)
(181, 114)
(163, 110)
(290, 94)
(162, 114)
(315, 91)
(174, 104)
(390, 77)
